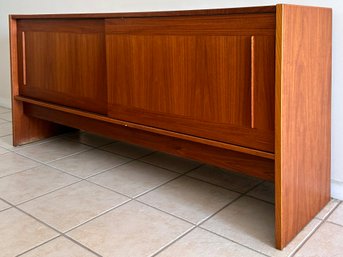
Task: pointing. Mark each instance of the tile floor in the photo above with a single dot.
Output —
(79, 194)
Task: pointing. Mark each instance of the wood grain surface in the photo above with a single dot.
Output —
(64, 62)
(194, 76)
(248, 164)
(303, 102)
(26, 129)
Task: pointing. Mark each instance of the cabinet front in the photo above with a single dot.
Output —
(206, 76)
(63, 62)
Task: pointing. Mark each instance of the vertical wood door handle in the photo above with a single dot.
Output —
(252, 61)
(24, 57)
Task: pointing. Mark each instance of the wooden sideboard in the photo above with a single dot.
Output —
(248, 89)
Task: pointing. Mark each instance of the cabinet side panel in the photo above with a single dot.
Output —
(25, 129)
(303, 109)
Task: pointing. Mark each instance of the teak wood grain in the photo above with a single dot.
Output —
(303, 102)
(194, 76)
(136, 126)
(26, 129)
(64, 62)
(237, 161)
(245, 88)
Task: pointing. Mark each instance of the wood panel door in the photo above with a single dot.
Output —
(63, 62)
(208, 76)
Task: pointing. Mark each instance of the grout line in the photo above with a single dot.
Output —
(130, 199)
(38, 245)
(135, 198)
(97, 216)
(49, 226)
(207, 218)
(174, 240)
(170, 214)
(235, 242)
(334, 223)
(81, 245)
(233, 190)
(322, 221)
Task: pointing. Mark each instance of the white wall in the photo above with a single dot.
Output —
(75, 6)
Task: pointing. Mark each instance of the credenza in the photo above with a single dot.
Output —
(248, 89)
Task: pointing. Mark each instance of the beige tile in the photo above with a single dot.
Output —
(230, 180)
(3, 109)
(325, 242)
(6, 142)
(20, 232)
(5, 129)
(337, 216)
(327, 209)
(3, 205)
(265, 192)
(89, 139)
(25, 185)
(201, 243)
(170, 162)
(89, 163)
(59, 247)
(3, 121)
(3, 150)
(52, 150)
(73, 205)
(250, 222)
(11, 163)
(130, 230)
(6, 116)
(127, 150)
(133, 178)
(189, 199)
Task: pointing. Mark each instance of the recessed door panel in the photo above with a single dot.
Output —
(64, 62)
(208, 82)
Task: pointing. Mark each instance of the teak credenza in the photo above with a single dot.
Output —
(247, 89)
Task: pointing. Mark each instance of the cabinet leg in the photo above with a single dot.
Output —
(28, 129)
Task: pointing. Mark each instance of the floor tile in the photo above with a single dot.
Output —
(6, 116)
(5, 129)
(11, 163)
(327, 209)
(250, 222)
(59, 247)
(130, 230)
(25, 185)
(20, 232)
(3, 109)
(4, 205)
(201, 243)
(189, 199)
(246, 221)
(230, 180)
(134, 178)
(3, 150)
(89, 139)
(52, 150)
(127, 150)
(73, 205)
(264, 191)
(170, 162)
(337, 216)
(89, 163)
(6, 142)
(2, 121)
(325, 242)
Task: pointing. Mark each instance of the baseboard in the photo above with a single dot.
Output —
(337, 189)
(5, 102)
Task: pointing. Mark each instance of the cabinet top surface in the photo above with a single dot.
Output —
(259, 9)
